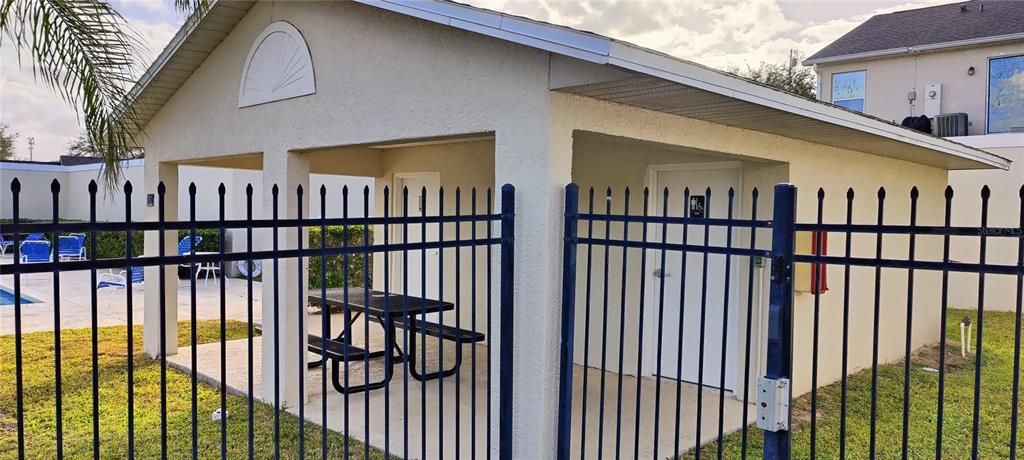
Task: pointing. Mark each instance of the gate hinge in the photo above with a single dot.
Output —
(780, 270)
(773, 404)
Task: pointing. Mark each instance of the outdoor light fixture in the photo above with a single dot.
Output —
(970, 70)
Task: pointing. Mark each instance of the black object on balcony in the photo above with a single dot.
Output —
(921, 123)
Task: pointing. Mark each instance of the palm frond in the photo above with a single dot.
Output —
(84, 51)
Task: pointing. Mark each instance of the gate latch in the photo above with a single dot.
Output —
(773, 404)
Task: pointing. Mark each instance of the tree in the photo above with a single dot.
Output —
(7, 138)
(84, 51)
(81, 147)
(787, 76)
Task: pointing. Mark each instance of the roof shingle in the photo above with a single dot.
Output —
(925, 26)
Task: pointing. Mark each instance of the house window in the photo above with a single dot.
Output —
(1006, 94)
(848, 90)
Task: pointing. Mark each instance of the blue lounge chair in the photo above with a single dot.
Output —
(5, 243)
(36, 251)
(35, 237)
(121, 280)
(185, 245)
(71, 247)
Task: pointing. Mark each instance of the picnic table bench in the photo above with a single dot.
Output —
(392, 312)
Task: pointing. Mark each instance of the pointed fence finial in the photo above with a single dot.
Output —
(192, 188)
(914, 193)
(127, 187)
(55, 186)
(93, 187)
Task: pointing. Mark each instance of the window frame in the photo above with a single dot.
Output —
(832, 89)
(988, 90)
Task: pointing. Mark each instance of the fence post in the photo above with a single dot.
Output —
(572, 201)
(508, 194)
(780, 309)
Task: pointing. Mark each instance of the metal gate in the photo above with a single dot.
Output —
(842, 400)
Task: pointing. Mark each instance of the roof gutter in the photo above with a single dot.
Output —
(971, 42)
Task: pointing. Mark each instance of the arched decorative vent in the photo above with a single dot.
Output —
(278, 67)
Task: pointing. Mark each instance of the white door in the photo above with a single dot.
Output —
(418, 259)
(698, 177)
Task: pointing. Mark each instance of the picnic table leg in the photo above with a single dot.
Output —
(389, 348)
(432, 375)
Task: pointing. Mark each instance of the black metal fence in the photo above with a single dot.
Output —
(435, 325)
(847, 368)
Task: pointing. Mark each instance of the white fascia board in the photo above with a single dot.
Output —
(857, 56)
(645, 61)
(580, 45)
(916, 49)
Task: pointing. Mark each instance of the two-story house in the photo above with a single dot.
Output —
(962, 66)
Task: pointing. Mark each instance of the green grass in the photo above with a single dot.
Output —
(997, 381)
(39, 396)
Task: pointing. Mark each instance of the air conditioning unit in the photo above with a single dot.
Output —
(950, 124)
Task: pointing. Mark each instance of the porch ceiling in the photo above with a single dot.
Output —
(665, 96)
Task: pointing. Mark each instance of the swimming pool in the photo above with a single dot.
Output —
(7, 297)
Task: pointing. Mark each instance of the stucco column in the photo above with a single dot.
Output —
(537, 159)
(287, 171)
(157, 172)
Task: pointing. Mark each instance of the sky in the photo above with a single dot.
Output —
(717, 33)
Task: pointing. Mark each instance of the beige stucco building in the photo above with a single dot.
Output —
(440, 94)
(959, 58)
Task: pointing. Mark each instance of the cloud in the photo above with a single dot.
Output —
(718, 33)
(33, 110)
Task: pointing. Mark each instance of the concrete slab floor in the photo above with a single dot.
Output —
(439, 401)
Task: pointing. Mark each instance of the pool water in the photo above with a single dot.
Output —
(7, 297)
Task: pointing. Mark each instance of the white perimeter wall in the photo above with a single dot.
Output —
(36, 198)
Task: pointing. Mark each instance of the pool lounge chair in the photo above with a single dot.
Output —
(121, 280)
(71, 247)
(36, 251)
(5, 243)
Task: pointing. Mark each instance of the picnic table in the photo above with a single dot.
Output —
(391, 312)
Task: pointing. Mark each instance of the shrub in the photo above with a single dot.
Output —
(210, 236)
(336, 264)
(110, 245)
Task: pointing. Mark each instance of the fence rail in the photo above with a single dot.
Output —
(420, 250)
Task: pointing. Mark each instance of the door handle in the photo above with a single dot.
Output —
(659, 273)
